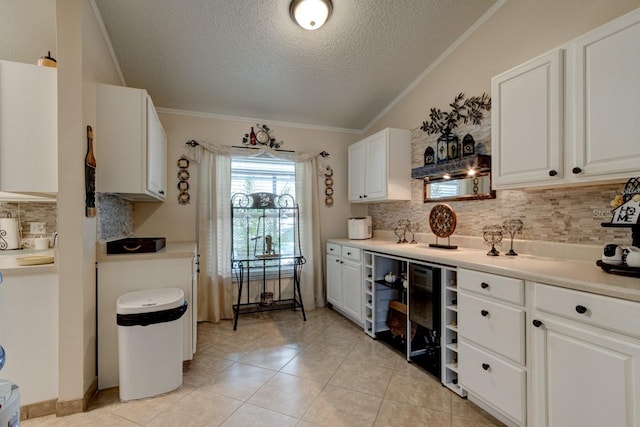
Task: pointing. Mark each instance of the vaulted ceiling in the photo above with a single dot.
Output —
(247, 58)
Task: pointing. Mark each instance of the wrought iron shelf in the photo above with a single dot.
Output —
(457, 168)
(262, 270)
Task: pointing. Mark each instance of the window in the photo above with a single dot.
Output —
(258, 174)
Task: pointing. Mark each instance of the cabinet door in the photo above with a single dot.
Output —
(375, 177)
(156, 153)
(606, 87)
(29, 335)
(131, 151)
(119, 277)
(352, 290)
(334, 280)
(28, 128)
(584, 376)
(527, 123)
(356, 172)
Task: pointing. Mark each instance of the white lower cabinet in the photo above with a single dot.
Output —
(131, 274)
(344, 280)
(29, 335)
(586, 366)
(498, 382)
(492, 346)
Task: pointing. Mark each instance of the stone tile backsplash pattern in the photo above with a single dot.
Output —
(565, 215)
(31, 212)
(115, 217)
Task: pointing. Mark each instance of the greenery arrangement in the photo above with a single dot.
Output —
(462, 110)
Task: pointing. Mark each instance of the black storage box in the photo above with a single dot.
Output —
(136, 245)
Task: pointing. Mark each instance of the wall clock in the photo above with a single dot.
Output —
(263, 137)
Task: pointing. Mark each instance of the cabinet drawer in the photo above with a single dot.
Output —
(351, 253)
(607, 312)
(334, 249)
(492, 325)
(496, 381)
(500, 287)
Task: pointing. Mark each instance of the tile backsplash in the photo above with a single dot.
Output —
(567, 215)
(28, 212)
(115, 217)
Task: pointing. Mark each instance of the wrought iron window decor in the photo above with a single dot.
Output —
(183, 180)
(266, 248)
(262, 135)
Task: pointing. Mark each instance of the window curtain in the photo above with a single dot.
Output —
(307, 194)
(215, 286)
(215, 290)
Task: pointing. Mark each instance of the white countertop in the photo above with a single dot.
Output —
(171, 250)
(9, 264)
(578, 275)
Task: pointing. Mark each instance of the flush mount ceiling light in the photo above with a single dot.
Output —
(310, 14)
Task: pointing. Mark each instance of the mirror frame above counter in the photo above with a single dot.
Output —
(469, 167)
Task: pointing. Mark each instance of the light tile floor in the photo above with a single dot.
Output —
(277, 370)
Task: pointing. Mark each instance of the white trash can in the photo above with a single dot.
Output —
(150, 342)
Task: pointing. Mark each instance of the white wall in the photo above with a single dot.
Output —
(177, 222)
(27, 30)
(83, 60)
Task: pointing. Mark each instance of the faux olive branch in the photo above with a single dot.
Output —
(466, 110)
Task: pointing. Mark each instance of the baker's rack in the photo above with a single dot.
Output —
(266, 253)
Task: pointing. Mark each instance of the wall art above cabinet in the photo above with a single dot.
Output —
(28, 128)
(570, 116)
(380, 167)
(131, 145)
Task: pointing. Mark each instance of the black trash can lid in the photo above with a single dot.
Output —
(149, 301)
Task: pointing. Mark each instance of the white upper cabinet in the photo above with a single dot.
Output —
(527, 122)
(380, 167)
(28, 128)
(593, 137)
(131, 145)
(605, 92)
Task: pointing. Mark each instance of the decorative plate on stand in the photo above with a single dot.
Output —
(442, 221)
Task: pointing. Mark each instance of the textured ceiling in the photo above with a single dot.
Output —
(248, 58)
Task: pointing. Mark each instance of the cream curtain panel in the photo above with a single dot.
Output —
(215, 285)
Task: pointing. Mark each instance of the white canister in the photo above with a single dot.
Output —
(41, 243)
(9, 236)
